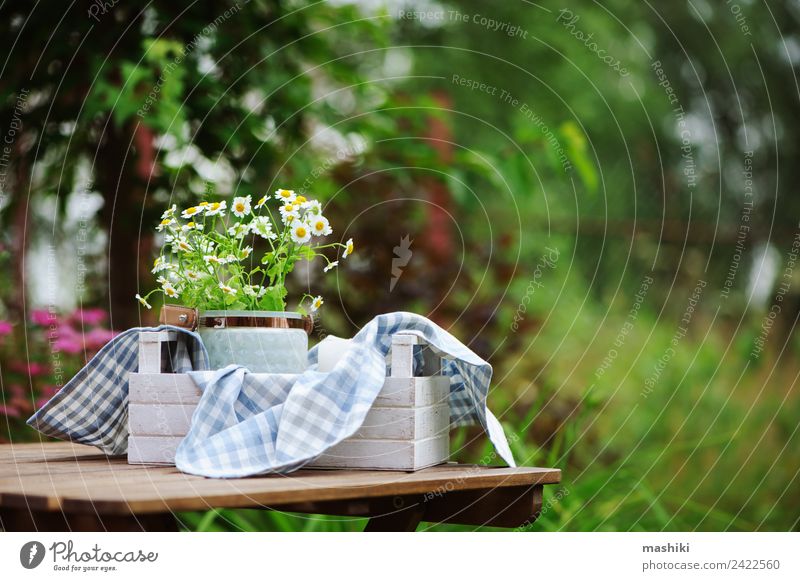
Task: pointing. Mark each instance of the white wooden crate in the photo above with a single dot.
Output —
(406, 429)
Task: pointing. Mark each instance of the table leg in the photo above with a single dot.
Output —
(404, 519)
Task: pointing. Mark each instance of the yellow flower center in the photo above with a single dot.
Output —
(285, 193)
(300, 199)
(261, 201)
(319, 226)
(165, 222)
(240, 207)
(289, 218)
(192, 210)
(204, 203)
(300, 231)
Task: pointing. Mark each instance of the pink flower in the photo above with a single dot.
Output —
(9, 411)
(5, 328)
(68, 340)
(35, 369)
(43, 317)
(49, 391)
(96, 338)
(90, 317)
(71, 345)
(30, 368)
(20, 405)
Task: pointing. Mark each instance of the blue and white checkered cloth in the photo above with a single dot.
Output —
(251, 423)
(92, 408)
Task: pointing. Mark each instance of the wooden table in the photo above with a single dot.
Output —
(61, 487)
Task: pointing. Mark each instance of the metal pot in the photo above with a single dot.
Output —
(262, 341)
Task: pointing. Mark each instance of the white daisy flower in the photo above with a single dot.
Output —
(182, 245)
(206, 246)
(161, 264)
(228, 290)
(216, 208)
(211, 259)
(245, 252)
(193, 275)
(189, 226)
(289, 212)
(331, 266)
(165, 223)
(301, 233)
(287, 196)
(262, 226)
(254, 291)
(348, 248)
(289, 209)
(241, 206)
(169, 212)
(238, 230)
(142, 300)
(312, 207)
(170, 290)
(261, 202)
(316, 304)
(320, 226)
(193, 211)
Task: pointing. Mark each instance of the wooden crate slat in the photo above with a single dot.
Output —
(164, 419)
(386, 454)
(414, 423)
(165, 388)
(413, 391)
(153, 449)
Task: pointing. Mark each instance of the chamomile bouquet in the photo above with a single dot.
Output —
(208, 262)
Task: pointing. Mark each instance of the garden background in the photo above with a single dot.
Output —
(595, 196)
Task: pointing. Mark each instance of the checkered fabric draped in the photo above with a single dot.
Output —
(250, 423)
(92, 408)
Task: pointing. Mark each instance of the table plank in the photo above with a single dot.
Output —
(74, 478)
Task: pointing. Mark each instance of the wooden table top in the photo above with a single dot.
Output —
(59, 476)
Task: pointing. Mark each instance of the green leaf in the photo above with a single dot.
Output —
(273, 299)
(306, 252)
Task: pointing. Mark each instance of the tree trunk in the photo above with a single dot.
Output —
(19, 229)
(120, 180)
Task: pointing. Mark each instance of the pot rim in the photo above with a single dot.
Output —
(254, 319)
(257, 314)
